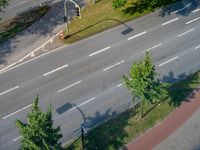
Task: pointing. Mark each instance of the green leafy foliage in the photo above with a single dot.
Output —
(118, 3)
(143, 82)
(3, 4)
(39, 133)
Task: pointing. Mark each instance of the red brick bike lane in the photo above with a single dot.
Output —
(162, 130)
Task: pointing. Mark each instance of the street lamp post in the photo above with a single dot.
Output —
(66, 18)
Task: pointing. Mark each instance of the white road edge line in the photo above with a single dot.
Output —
(198, 9)
(168, 61)
(170, 21)
(192, 20)
(97, 52)
(197, 47)
(9, 90)
(122, 61)
(153, 47)
(69, 86)
(82, 104)
(57, 69)
(186, 32)
(19, 137)
(17, 111)
(137, 35)
(188, 5)
(20, 3)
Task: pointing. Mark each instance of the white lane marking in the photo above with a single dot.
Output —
(137, 35)
(20, 3)
(92, 54)
(69, 86)
(57, 69)
(122, 61)
(68, 142)
(17, 111)
(81, 104)
(197, 47)
(168, 61)
(170, 21)
(174, 12)
(153, 47)
(19, 137)
(10, 66)
(198, 9)
(9, 90)
(119, 85)
(192, 20)
(184, 33)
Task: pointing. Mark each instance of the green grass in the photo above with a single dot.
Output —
(101, 16)
(116, 132)
(11, 27)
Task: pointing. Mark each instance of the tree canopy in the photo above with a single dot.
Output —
(38, 133)
(3, 4)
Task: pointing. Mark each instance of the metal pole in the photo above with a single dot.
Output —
(82, 137)
(66, 14)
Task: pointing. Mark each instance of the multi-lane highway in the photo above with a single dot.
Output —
(83, 81)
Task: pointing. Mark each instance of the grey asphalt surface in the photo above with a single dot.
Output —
(91, 82)
(185, 138)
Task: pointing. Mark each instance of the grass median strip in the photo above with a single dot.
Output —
(11, 27)
(116, 132)
(102, 16)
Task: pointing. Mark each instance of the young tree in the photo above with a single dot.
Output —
(143, 82)
(118, 3)
(39, 133)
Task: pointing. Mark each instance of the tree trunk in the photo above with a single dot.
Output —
(142, 109)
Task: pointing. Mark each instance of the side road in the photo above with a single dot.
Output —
(168, 126)
(38, 35)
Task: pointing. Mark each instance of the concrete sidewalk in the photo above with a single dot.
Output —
(160, 133)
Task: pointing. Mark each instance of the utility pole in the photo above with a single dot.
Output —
(83, 133)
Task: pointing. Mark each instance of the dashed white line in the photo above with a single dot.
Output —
(119, 85)
(137, 35)
(122, 61)
(170, 21)
(17, 111)
(198, 9)
(192, 20)
(81, 104)
(197, 47)
(17, 138)
(168, 61)
(153, 47)
(57, 69)
(69, 86)
(20, 3)
(7, 91)
(184, 33)
(92, 54)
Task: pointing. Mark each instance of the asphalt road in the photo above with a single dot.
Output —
(15, 7)
(83, 81)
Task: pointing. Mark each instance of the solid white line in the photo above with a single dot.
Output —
(69, 86)
(186, 32)
(92, 54)
(17, 111)
(168, 61)
(197, 47)
(192, 20)
(137, 35)
(198, 9)
(20, 3)
(16, 87)
(188, 5)
(170, 21)
(114, 65)
(17, 138)
(82, 104)
(57, 69)
(153, 47)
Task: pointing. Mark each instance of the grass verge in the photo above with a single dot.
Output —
(116, 132)
(101, 16)
(11, 27)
